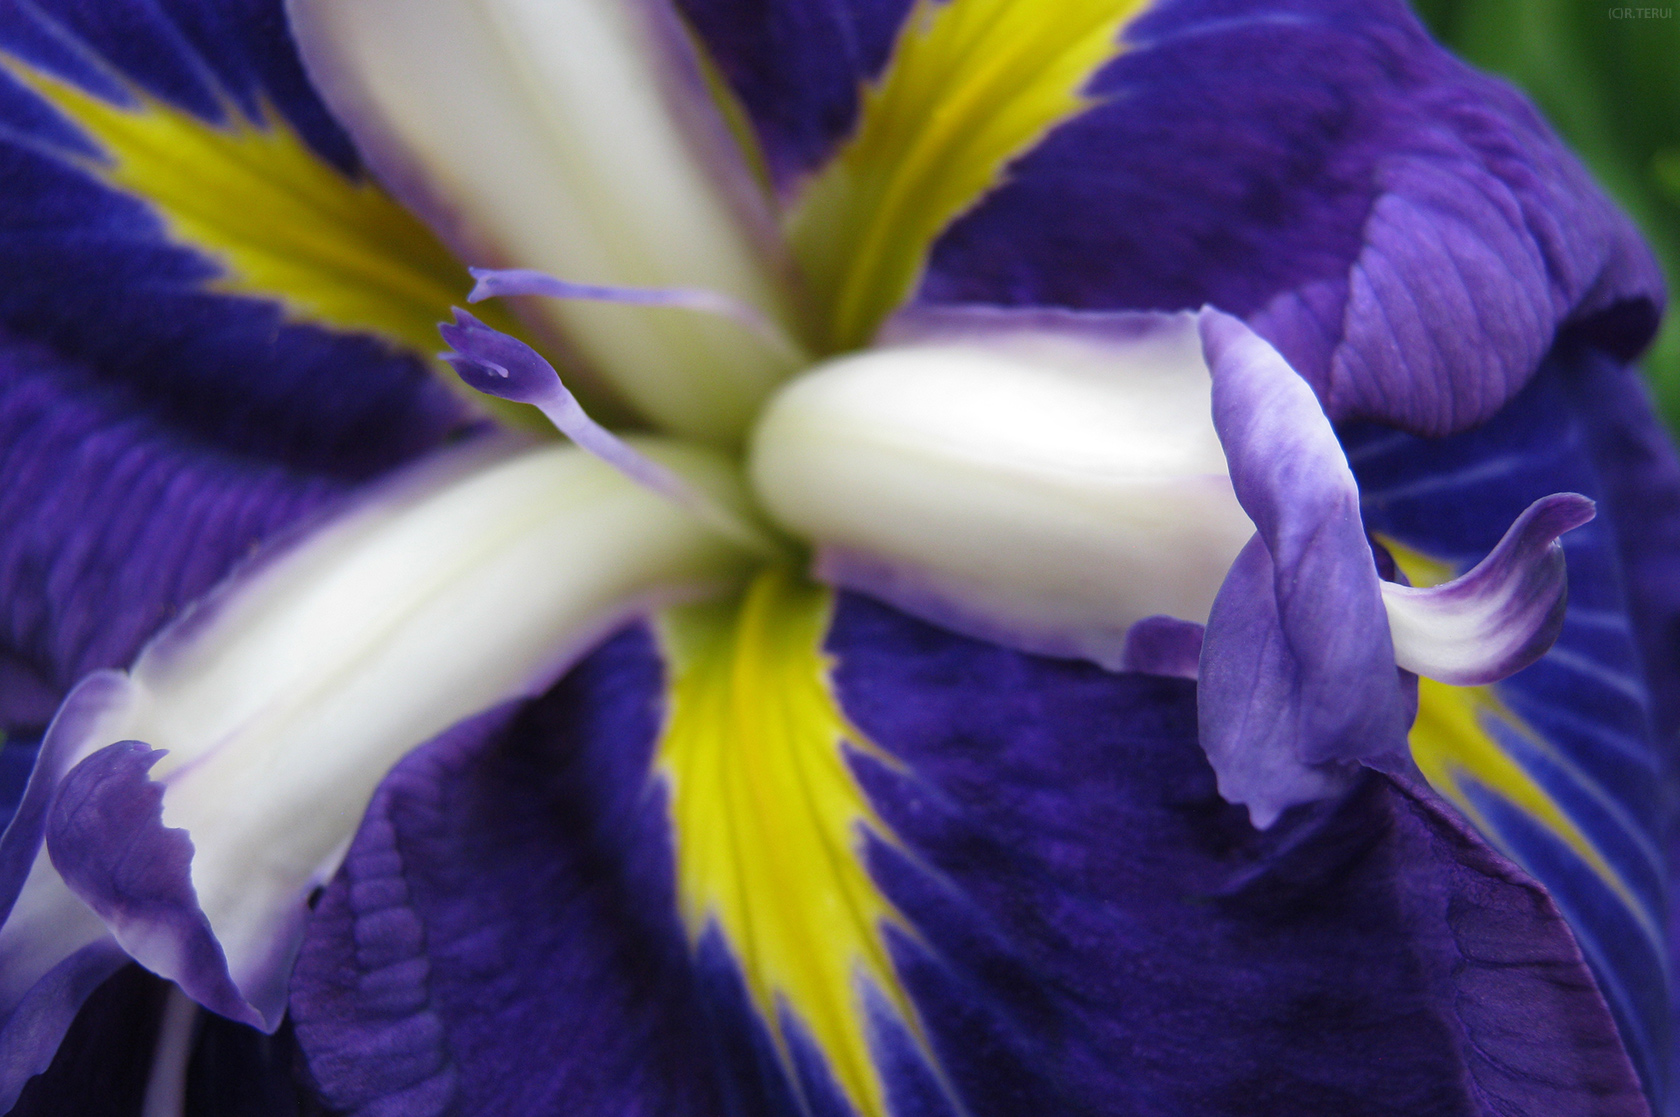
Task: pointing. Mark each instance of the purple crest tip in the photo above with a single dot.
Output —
(497, 364)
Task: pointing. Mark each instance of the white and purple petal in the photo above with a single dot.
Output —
(53, 950)
(279, 703)
(1498, 617)
(109, 845)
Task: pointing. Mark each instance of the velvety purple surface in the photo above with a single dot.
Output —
(797, 66)
(1587, 733)
(503, 936)
(1095, 929)
(94, 274)
(113, 519)
(1103, 929)
(1408, 232)
(1635, 460)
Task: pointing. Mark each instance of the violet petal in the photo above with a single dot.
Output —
(1332, 692)
(1081, 909)
(108, 840)
(1577, 723)
(225, 371)
(1164, 646)
(118, 513)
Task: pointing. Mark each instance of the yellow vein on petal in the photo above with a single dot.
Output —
(280, 223)
(971, 86)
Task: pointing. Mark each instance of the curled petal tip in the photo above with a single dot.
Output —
(1503, 614)
(1560, 512)
(496, 364)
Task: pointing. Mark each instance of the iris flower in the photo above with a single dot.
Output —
(1071, 582)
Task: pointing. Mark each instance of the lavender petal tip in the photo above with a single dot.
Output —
(495, 363)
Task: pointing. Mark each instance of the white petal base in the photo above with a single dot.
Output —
(1045, 483)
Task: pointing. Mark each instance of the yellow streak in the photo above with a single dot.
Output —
(1452, 741)
(770, 823)
(972, 84)
(282, 224)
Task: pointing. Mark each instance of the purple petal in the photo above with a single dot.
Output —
(1409, 233)
(798, 67)
(1251, 700)
(511, 879)
(1164, 646)
(1093, 926)
(232, 372)
(1635, 459)
(1331, 691)
(108, 840)
(31, 1031)
(1081, 910)
(1499, 617)
(1578, 724)
(115, 516)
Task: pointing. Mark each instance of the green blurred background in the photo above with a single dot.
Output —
(1609, 81)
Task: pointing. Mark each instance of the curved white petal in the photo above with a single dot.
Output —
(1041, 479)
(575, 137)
(285, 698)
(1501, 615)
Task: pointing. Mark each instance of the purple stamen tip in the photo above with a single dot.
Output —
(496, 364)
(483, 284)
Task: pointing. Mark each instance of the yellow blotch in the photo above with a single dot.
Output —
(1453, 741)
(280, 222)
(770, 822)
(971, 85)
